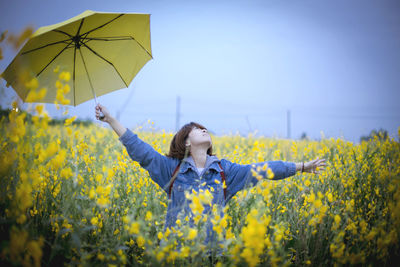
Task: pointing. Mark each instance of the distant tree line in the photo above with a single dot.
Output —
(53, 121)
(382, 134)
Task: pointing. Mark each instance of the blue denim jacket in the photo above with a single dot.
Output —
(161, 168)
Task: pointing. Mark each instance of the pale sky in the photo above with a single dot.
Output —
(238, 66)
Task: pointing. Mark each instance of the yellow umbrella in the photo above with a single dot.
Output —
(102, 51)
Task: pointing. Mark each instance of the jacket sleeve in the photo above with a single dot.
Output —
(158, 166)
(240, 176)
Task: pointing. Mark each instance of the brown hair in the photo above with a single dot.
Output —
(178, 143)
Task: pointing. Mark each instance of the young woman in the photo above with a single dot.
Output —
(190, 165)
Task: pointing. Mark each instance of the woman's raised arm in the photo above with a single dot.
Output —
(159, 167)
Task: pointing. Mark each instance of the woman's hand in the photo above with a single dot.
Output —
(315, 166)
(106, 116)
(116, 125)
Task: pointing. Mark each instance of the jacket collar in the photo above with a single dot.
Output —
(211, 162)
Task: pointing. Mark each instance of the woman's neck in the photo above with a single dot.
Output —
(199, 156)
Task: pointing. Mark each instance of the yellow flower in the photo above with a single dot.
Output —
(69, 121)
(229, 234)
(140, 241)
(192, 234)
(159, 235)
(41, 94)
(311, 198)
(318, 203)
(196, 205)
(32, 84)
(148, 215)
(160, 255)
(66, 89)
(337, 220)
(39, 109)
(134, 228)
(98, 177)
(330, 197)
(64, 75)
(103, 201)
(92, 193)
(58, 85)
(185, 252)
(94, 221)
(66, 173)
(99, 190)
(270, 174)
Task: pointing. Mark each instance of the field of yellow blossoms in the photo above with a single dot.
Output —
(70, 195)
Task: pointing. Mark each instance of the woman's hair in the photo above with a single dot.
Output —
(178, 144)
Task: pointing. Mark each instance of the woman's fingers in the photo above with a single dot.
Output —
(98, 110)
(319, 162)
(316, 166)
(315, 160)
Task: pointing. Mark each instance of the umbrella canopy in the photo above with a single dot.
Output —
(102, 51)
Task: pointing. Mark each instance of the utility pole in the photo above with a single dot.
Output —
(288, 123)
(178, 112)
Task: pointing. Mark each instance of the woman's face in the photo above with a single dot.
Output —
(198, 137)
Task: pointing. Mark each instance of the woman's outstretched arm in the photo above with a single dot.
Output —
(240, 176)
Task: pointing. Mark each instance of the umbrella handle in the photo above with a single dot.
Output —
(101, 117)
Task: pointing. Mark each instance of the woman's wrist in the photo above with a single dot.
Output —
(117, 126)
(111, 120)
(300, 167)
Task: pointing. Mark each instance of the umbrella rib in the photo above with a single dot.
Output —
(63, 32)
(75, 46)
(59, 42)
(80, 26)
(101, 26)
(59, 53)
(127, 38)
(121, 38)
(94, 52)
(87, 73)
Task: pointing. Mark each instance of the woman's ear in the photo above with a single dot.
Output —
(187, 143)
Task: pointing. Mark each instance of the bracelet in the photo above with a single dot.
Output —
(302, 168)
